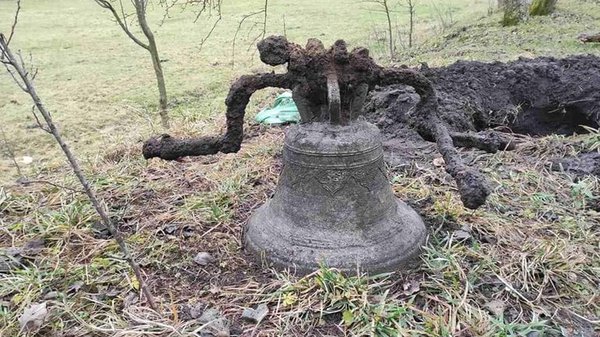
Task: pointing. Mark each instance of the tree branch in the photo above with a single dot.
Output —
(122, 22)
(239, 27)
(15, 21)
(205, 38)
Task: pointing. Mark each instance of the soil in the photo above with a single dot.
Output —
(536, 97)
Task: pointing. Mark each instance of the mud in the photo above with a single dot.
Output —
(585, 163)
(535, 97)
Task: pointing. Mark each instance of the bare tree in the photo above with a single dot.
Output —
(386, 7)
(24, 78)
(410, 7)
(122, 17)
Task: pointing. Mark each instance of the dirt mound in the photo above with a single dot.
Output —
(536, 97)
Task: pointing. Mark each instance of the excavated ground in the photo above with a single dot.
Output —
(535, 97)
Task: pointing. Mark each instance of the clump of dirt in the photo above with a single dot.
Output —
(536, 97)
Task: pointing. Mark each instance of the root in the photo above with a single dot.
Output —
(472, 185)
(169, 148)
(340, 80)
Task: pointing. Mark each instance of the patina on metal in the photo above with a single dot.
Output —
(333, 204)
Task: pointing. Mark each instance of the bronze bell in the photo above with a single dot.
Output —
(334, 205)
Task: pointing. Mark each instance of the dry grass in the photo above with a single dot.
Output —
(531, 256)
(526, 264)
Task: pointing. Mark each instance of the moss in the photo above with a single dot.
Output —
(542, 7)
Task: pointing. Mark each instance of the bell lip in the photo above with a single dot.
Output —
(400, 260)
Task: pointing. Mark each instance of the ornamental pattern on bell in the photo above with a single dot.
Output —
(333, 180)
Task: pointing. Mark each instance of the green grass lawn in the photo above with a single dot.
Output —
(534, 246)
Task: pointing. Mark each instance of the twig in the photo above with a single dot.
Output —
(29, 182)
(239, 27)
(15, 21)
(266, 11)
(41, 126)
(211, 5)
(149, 45)
(167, 7)
(98, 205)
(210, 32)
(122, 22)
(284, 28)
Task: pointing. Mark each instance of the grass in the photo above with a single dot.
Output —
(529, 265)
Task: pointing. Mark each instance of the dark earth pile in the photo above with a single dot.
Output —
(536, 97)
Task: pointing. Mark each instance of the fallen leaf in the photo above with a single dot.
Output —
(411, 287)
(33, 317)
(461, 234)
(203, 258)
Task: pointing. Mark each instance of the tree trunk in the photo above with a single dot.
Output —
(160, 79)
(515, 11)
(411, 11)
(140, 8)
(391, 36)
(542, 7)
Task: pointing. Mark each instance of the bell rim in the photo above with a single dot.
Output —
(385, 260)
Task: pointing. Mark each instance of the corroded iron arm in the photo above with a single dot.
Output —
(237, 100)
(472, 185)
(170, 148)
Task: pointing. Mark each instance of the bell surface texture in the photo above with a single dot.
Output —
(334, 205)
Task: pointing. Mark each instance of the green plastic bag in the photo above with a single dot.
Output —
(283, 110)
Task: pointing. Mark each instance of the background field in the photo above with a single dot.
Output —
(101, 85)
(101, 90)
